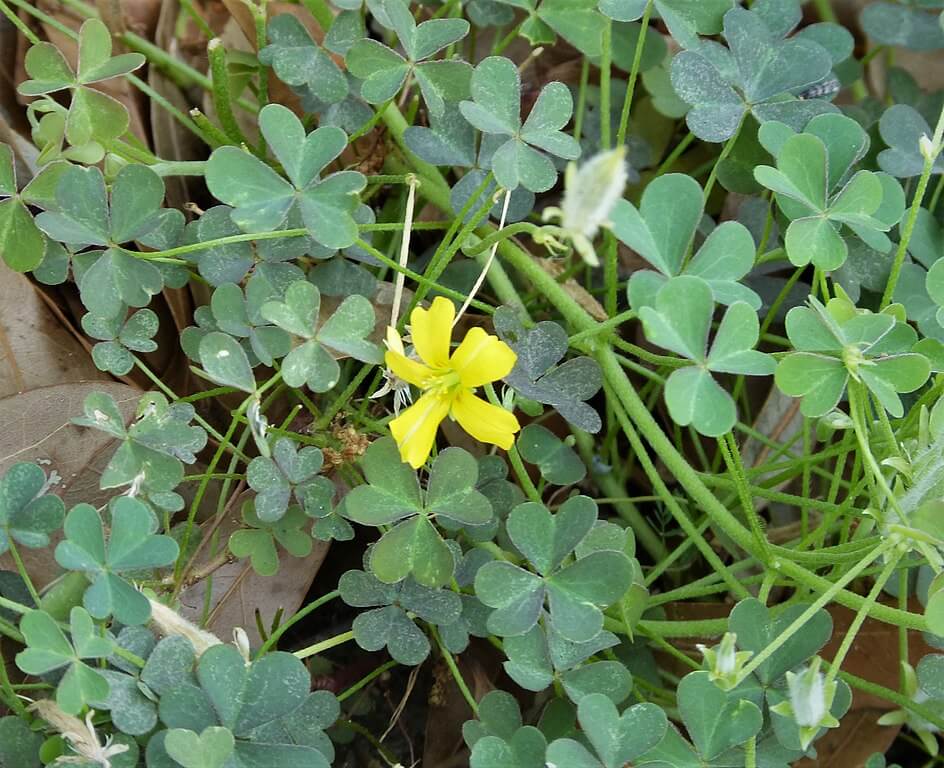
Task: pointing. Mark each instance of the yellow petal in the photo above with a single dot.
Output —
(410, 371)
(482, 358)
(415, 428)
(431, 331)
(484, 421)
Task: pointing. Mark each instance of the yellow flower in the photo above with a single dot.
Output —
(448, 383)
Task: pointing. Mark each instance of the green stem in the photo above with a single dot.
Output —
(750, 753)
(21, 569)
(324, 645)
(366, 680)
(908, 231)
(606, 55)
(17, 22)
(456, 674)
(726, 150)
(633, 76)
(286, 626)
(676, 153)
(808, 614)
(732, 457)
(861, 616)
(222, 98)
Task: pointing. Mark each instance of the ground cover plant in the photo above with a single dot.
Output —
(502, 383)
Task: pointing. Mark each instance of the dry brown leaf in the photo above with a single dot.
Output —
(236, 591)
(35, 426)
(35, 350)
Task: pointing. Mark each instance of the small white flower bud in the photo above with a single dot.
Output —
(170, 622)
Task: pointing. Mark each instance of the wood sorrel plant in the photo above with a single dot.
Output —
(586, 345)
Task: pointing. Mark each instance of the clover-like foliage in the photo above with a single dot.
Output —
(48, 650)
(28, 515)
(393, 494)
(578, 22)
(265, 705)
(132, 545)
(390, 623)
(153, 447)
(557, 461)
(760, 72)
(496, 109)
(816, 193)
(450, 140)
(297, 60)
(22, 244)
(93, 115)
(616, 739)
(717, 722)
(112, 279)
(263, 200)
(121, 336)
(539, 373)
(901, 128)
(908, 24)
(238, 313)
(384, 71)
(258, 539)
(662, 230)
(680, 320)
(343, 333)
(838, 342)
(19, 744)
(575, 592)
(289, 472)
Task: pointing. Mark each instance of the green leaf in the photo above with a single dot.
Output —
(275, 480)
(616, 739)
(819, 380)
(209, 749)
(298, 61)
(516, 595)
(451, 491)
(95, 60)
(760, 73)
(393, 492)
(908, 26)
(540, 375)
(239, 696)
(495, 109)
(21, 243)
(225, 361)
(577, 594)
(902, 127)
(132, 545)
(607, 678)
(28, 515)
(694, 398)
(258, 540)
(95, 116)
(547, 539)
(558, 462)
(681, 317)
(716, 721)
(48, 650)
(756, 629)
(263, 200)
(413, 547)
(19, 745)
(525, 749)
(662, 228)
